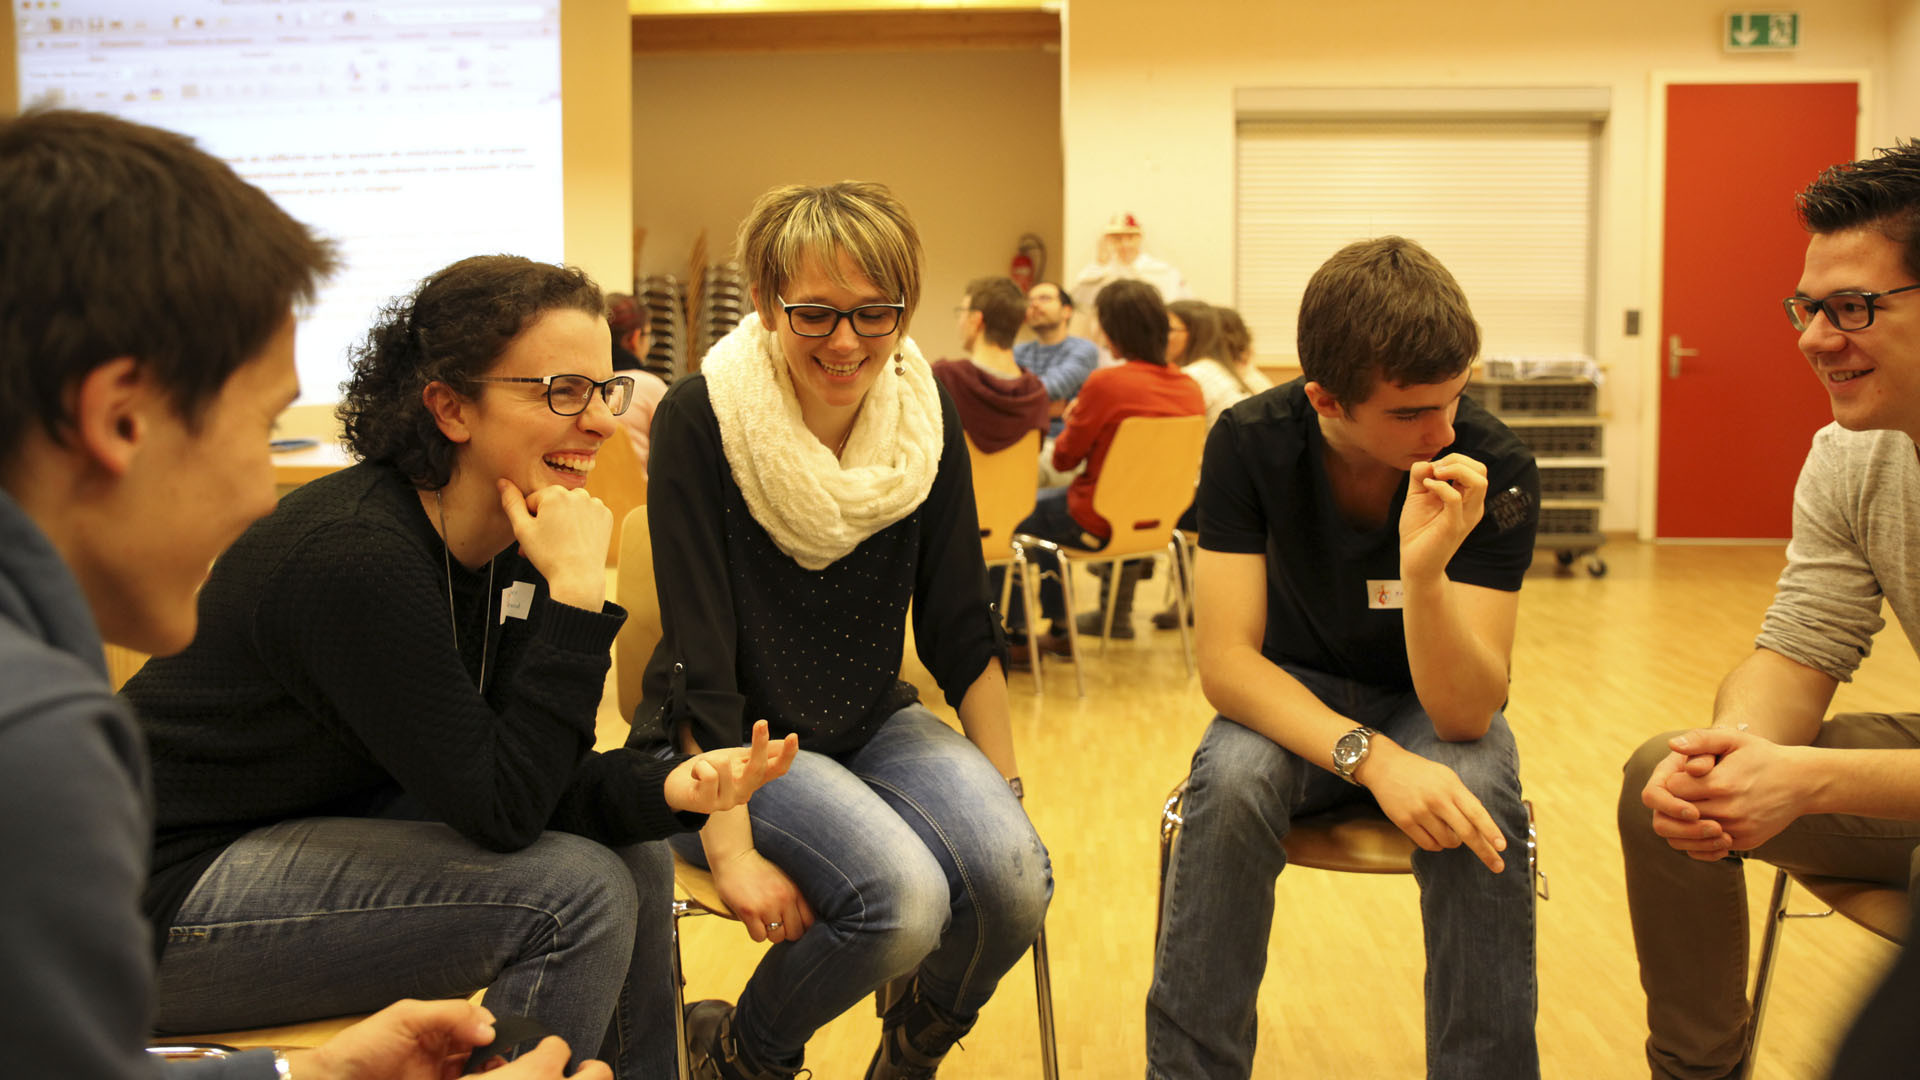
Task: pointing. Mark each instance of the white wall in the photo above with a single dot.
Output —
(1903, 77)
(1149, 123)
(969, 141)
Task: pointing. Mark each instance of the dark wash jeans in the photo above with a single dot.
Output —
(317, 917)
(1245, 791)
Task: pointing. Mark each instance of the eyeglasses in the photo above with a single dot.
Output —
(569, 395)
(1845, 310)
(819, 320)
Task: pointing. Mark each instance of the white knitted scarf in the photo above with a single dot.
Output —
(817, 508)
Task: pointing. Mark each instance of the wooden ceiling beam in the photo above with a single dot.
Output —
(838, 31)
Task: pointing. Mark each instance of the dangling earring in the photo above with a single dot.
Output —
(897, 369)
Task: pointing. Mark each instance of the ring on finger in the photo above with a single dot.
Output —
(773, 926)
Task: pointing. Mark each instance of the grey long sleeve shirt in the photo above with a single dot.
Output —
(1856, 541)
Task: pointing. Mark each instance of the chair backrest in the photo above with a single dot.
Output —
(620, 481)
(1005, 484)
(1147, 480)
(633, 590)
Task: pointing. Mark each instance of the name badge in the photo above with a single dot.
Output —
(516, 600)
(1384, 595)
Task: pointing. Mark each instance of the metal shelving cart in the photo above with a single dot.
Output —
(1559, 420)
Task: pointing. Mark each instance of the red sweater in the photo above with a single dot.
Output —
(1111, 395)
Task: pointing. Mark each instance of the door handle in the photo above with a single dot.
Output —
(1674, 355)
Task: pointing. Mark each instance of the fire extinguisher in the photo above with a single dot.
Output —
(1029, 261)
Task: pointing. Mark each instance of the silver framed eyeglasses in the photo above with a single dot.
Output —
(569, 395)
(1849, 311)
(819, 320)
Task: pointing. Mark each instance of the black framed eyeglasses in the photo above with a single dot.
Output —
(569, 395)
(819, 320)
(1850, 310)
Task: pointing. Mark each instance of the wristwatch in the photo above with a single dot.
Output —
(1351, 750)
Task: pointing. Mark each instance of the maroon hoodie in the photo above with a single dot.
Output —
(996, 411)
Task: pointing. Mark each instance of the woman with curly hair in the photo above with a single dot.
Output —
(820, 487)
(374, 767)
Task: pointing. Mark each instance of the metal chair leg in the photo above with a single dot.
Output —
(681, 909)
(1176, 554)
(1073, 632)
(1030, 600)
(1108, 606)
(1170, 824)
(1043, 999)
(1763, 975)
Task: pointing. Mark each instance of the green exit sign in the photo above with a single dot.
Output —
(1749, 31)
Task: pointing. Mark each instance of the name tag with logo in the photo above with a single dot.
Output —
(516, 600)
(1384, 595)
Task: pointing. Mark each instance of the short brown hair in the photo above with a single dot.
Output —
(1134, 320)
(118, 239)
(452, 328)
(1881, 192)
(788, 225)
(1383, 309)
(1002, 307)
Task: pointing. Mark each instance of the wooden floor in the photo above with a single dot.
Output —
(1600, 663)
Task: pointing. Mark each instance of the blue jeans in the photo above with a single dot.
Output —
(914, 855)
(317, 917)
(1244, 793)
(1049, 521)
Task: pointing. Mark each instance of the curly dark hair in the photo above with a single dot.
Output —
(450, 330)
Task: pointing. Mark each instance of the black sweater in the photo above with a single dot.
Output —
(324, 682)
(750, 634)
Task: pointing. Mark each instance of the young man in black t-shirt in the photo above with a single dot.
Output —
(1363, 532)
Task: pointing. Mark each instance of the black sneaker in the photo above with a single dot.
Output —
(915, 1035)
(1089, 625)
(714, 1054)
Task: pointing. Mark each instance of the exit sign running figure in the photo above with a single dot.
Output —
(1754, 31)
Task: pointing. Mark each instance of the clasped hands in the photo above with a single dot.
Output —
(1721, 790)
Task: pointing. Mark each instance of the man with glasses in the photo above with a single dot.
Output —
(1773, 776)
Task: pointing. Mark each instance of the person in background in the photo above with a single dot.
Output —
(136, 406)
(822, 490)
(1227, 377)
(1226, 374)
(627, 318)
(997, 401)
(1120, 258)
(374, 769)
(1061, 360)
(1133, 322)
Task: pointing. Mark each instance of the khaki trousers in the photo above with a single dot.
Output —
(1690, 917)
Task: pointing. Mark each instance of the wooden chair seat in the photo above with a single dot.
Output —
(1882, 909)
(1354, 839)
(301, 1036)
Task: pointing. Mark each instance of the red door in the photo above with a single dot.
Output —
(1738, 403)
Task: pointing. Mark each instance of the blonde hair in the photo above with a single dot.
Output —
(790, 224)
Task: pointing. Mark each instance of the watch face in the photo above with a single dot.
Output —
(1350, 747)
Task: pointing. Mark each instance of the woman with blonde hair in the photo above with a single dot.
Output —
(819, 488)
